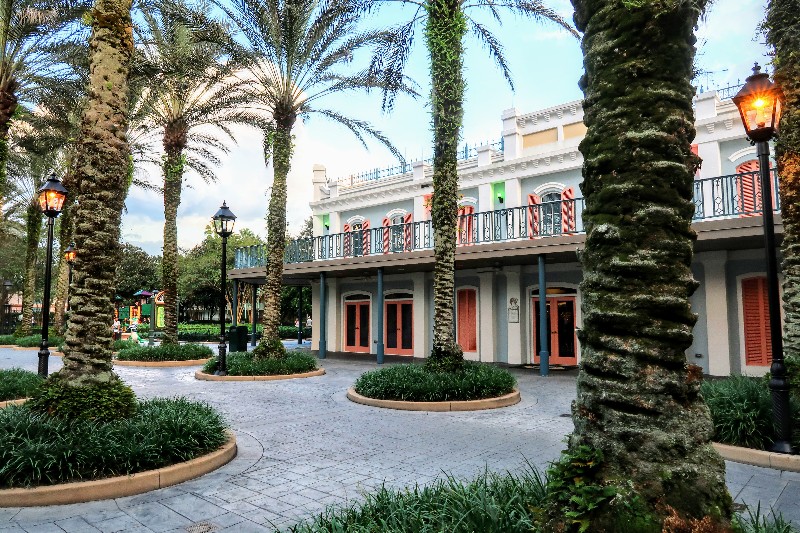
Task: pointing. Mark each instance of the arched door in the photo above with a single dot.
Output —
(356, 324)
(561, 327)
(399, 324)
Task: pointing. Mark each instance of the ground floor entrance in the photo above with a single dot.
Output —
(356, 326)
(561, 322)
(399, 326)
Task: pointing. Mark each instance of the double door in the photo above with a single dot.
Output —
(356, 326)
(398, 327)
(561, 330)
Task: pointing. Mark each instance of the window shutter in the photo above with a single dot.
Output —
(385, 224)
(748, 189)
(465, 225)
(365, 238)
(427, 201)
(346, 237)
(534, 215)
(408, 231)
(466, 303)
(755, 311)
(568, 210)
(696, 151)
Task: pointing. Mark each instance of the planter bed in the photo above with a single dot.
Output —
(242, 367)
(7, 403)
(778, 461)
(212, 377)
(458, 405)
(173, 355)
(189, 362)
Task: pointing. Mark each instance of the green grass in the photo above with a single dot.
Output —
(417, 384)
(17, 383)
(741, 409)
(501, 503)
(37, 449)
(242, 364)
(165, 352)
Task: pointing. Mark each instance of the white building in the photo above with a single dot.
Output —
(520, 208)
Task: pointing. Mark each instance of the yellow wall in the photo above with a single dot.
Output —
(577, 129)
(539, 138)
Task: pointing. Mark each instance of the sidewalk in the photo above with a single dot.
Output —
(303, 445)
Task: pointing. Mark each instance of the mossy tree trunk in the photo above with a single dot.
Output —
(445, 30)
(783, 33)
(279, 142)
(8, 106)
(102, 171)
(175, 135)
(638, 399)
(33, 225)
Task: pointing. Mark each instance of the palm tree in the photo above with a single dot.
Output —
(103, 173)
(297, 52)
(783, 19)
(447, 23)
(190, 90)
(638, 400)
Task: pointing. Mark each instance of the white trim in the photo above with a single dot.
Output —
(468, 200)
(532, 291)
(751, 370)
(738, 154)
(355, 219)
(477, 318)
(550, 187)
(396, 212)
(387, 292)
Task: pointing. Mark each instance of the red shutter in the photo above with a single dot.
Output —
(408, 231)
(466, 222)
(467, 308)
(534, 214)
(427, 201)
(365, 238)
(568, 210)
(748, 188)
(696, 151)
(346, 237)
(385, 224)
(755, 311)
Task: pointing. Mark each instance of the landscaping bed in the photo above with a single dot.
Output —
(166, 352)
(243, 364)
(17, 383)
(415, 383)
(31, 341)
(39, 449)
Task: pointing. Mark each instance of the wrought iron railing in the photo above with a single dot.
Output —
(737, 195)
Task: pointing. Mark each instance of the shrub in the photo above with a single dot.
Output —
(101, 402)
(34, 341)
(8, 339)
(418, 384)
(17, 383)
(36, 449)
(242, 364)
(290, 332)
(741, 409)
(166, 352)
(273, 349)
(123, 344)
(755, 522)
(492, 503)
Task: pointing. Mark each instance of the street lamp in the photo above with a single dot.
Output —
(6, 307)
(759, 104)
(51, 199)
(69, 257)
(224, 220)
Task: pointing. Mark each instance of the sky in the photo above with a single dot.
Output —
(545, 62)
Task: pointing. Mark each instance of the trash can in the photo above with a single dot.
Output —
(237, 336)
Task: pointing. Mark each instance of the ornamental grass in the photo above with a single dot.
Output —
(243, 364)
(17, 383)
(416, 383)
(166, 352)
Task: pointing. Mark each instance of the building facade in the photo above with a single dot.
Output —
(520, 223)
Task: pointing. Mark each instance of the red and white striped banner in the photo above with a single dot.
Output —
(386, 231)
(568, 210)
(533, 215)
(408, 231)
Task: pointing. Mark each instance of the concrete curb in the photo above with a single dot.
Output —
(211, 377)
(778, 461)
(20, 401)
(25, 348)
(188, 362)
(465, 405)
(117, 487)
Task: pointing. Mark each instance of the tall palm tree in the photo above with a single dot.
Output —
(639, 401)
(190, 90)
(447, 23)
(783, 19)
(102, 175)
(296, 53)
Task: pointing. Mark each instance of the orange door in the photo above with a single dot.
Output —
(356, 327)
(563, 341)
(399, 327)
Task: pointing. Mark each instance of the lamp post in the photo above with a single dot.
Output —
(6, 307)
(224, 220)
(51, 199)
(759, 104)
(69, 257)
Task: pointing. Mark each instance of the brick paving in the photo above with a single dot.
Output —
(304, 446)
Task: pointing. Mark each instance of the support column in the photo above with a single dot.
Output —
(254, 313)
(716, 293)
(488, 323)
(333, 325)
(513, 290)
(235, 303)
(323, 304)
(544, 327)
(379, 303)
(422, 326)
(299, 316)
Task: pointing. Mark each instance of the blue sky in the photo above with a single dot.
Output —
(546, 64)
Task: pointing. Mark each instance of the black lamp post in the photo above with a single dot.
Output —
(51, 199)
(224, 220)
(69, 256)
(759, 103)
(6, 307)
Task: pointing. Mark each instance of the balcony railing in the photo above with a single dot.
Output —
(733, 196)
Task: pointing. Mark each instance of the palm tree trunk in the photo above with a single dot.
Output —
(33, 219)
(174, 142)
(446, 27)
(8, 106)
(638, 399)
(783, 19)
(276, 236)
(102, 172)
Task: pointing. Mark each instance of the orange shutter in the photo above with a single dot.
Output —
(534, 214)
(467, 307)
(568, 210)
(385, 224)
(748, 188)
(696, 151)
(408, 231)
(427, 201)
(755, 311)
(365, 238)
(346, 236)
(465, 224)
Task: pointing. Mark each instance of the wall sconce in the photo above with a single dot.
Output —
(499, 199)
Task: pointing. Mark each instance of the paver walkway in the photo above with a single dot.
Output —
(303, 446)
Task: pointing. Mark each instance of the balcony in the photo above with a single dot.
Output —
(723, 197)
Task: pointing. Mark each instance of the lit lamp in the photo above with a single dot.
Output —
(224, 220)
(759, 104)
(51, 199)
(69, 256)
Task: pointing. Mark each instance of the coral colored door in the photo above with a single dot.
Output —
(467, 319)
(356, 327)
(399, 327)
(563, 341)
